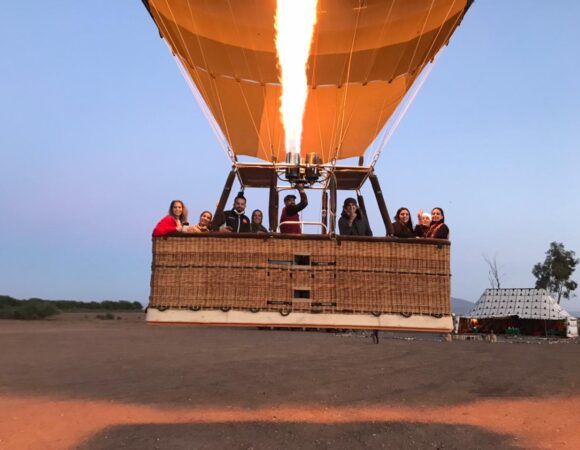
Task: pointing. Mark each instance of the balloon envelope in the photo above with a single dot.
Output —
(364, 58)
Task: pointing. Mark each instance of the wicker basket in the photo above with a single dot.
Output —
(310, 274)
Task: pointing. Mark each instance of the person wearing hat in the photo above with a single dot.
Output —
(256, 225)
(352, 221)
(422, 227)
(291, 210)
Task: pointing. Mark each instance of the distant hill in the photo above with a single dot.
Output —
(460, 306)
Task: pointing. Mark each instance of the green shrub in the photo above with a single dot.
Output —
(29, 310)
(107, 316)
(6, 312)
(37, 308)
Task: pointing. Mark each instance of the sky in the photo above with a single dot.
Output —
(99, 132)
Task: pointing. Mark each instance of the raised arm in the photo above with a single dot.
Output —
(294, 209)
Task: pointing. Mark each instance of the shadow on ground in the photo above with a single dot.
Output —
(258, 435)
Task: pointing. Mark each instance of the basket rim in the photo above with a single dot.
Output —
(303, 237)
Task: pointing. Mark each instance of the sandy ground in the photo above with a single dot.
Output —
(78, 382)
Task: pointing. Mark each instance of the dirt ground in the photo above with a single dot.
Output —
(79, 382)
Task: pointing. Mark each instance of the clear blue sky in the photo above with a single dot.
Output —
(98, 132)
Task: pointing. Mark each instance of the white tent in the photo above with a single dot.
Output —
(524, 303)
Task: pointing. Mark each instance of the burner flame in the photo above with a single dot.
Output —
(295, 20)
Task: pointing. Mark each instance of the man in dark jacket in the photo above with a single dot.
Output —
(291, 210)
(352, 221)
(234, 220)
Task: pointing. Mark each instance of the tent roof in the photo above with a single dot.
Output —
(524, 303)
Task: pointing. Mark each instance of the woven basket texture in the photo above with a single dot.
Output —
(302, 274)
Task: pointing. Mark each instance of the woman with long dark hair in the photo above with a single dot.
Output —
(403, 225)
(437, 229)
(176, 220)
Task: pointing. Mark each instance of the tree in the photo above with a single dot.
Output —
(555, 273)
(494, 273)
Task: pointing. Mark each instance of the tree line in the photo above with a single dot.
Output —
(554, 274)
(38, 308)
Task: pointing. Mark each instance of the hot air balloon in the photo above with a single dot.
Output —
(364, 63)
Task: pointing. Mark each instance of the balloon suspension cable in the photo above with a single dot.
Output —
(388, 133)
(204, 108)
(342, 130)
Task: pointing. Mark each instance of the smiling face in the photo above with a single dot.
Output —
(240, 204)
(350, 208)
(437, 214)
(257, 217)
(205, 219)
(425, 220)
(404, 215)
(177, 209)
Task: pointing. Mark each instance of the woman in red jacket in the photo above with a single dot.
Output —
(174, 221)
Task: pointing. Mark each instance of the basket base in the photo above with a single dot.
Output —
(387, 322)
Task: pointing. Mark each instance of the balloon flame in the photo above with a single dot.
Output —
(294, 24)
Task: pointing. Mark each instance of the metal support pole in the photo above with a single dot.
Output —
(332, 188)
(381, 203)
(273, 204)
(325, 212)
(218, 217)
(361, 203)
